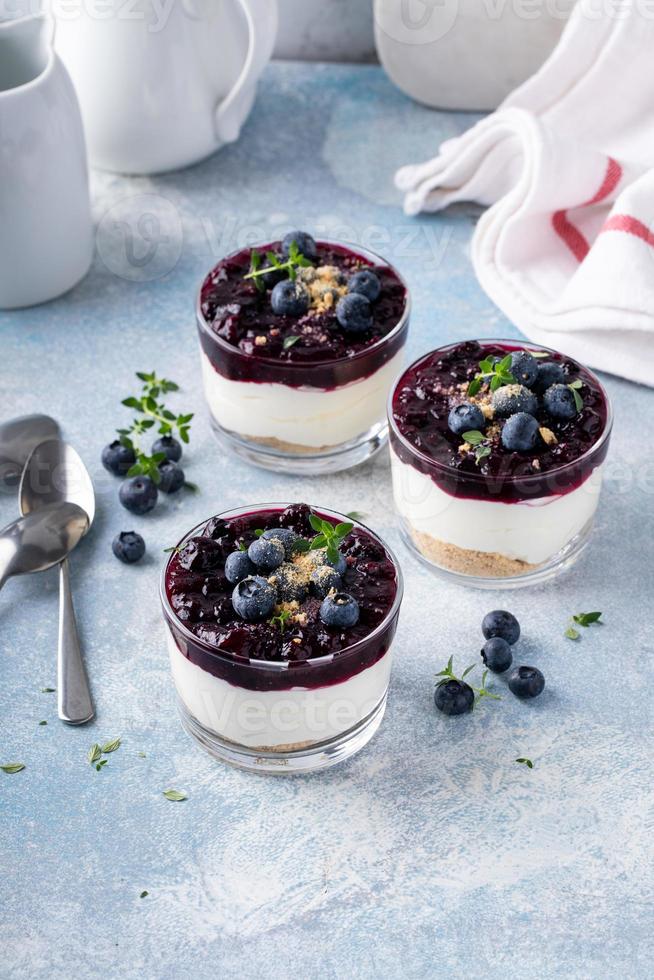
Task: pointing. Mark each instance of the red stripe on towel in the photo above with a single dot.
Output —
(632, 226)
(567, 232)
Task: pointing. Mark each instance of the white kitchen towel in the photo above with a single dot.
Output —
(566, 247)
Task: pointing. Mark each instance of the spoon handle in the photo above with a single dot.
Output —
(74, 697)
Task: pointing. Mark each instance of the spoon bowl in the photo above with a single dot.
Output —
(55, 473)
(40, 540)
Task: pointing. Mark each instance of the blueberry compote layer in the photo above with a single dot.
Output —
(246, 341)
(421, 437)
(220, 642)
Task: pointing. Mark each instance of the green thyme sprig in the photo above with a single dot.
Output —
(152, 411)
(296, 260)
(447, 674)
(493, 373)
(582, 619)
(525, 762)
(329, 536)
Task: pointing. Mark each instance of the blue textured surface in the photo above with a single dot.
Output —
(432, 853)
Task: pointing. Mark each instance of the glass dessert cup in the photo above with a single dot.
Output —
(498, 530)
(281, 716)
(296, 415)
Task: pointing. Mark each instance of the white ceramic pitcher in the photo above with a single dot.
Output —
(163, 83)
(46, 233)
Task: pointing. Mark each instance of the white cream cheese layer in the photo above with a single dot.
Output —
(270, 718)
(309, 417)
(531, 531)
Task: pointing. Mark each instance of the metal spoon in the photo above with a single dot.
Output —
(40, 540)
(18, 438)
(55, 473)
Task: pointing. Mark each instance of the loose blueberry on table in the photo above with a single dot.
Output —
(128, 547)
(280, 585)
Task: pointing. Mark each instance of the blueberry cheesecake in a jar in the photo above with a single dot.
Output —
(280, 621)
(300, 343)
(497, 451)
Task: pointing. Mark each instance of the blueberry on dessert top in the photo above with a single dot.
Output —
(281, 584)
(500, 412)
(299, 300)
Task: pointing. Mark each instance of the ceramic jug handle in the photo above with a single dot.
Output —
(261, 18)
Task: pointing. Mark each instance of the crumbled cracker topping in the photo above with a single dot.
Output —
(548, 436)
(261, 341)
(325, 285)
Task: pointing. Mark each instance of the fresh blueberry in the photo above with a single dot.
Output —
(340, 610)
(266, 554)
(454, 697)
(118, 459)
(499, 622)
(559, 400)
(549, 374)
(510, 399)
(138, 494)
(520, 433)
(466, 417)
(324, 579)
(290, 586)
(172, 477)
(524, 368)
(238, 566)
(496, 654)
(353, 313)
(365, 282)
(305, 243)
(254, 598)
(128, 546)
(526, 682)
(285, 537)
(289, 298)
(169, 446)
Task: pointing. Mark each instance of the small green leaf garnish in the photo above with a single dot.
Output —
(48, 690)
(144, 894)
(43, 723)
(586, 619)
(329, 536)
(174, 795)
(142, 755)
(525, 762)
(280, 619)
(100, 764)
(111, 746)
(295, 261)
(483, 692)
(175, 548)
(356, 515)
(481, 452)
(94, 753)
(572, 633)
(574, 388)
(493, 373)
(473, 437)
(289, 341)
(259, 531)
(12, 767)
(476, 438)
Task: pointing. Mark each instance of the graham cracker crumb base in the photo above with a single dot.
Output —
(287, 447)
(482, 564)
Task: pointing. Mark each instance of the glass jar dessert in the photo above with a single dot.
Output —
(279, 624)
(300, 344)
(497, 450)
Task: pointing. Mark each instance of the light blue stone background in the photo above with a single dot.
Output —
(430, 854)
